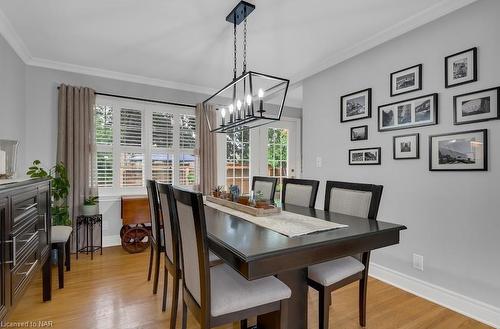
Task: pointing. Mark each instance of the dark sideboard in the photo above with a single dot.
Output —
(25, 225)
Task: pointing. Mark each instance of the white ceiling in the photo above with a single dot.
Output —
(187, 44)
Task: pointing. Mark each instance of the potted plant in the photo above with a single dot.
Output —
(217, 191)
(59, 190)
(260, 201)
(90, 206)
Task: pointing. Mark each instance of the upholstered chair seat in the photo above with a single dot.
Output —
(60, 233)
(334, 271)
(299, 192)
(266, 186)
(230, 292)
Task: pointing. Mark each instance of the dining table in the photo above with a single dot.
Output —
(256, 252)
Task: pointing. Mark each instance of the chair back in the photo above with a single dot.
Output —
(266, 185)
(361, 200)
(170, 230)
(154, 210)
(299, 192)
(189, 214)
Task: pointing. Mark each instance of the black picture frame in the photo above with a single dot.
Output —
(447, 83)
(494, 117)
(365, 127)
(484, 133)
(379, 150)
(432, 122)
(417, 147)
(368, 101)
(417, 86)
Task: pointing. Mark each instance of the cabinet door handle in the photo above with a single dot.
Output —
(33, 266)
(33, 236)
(14, 252)
(28, 207)
(44, 216)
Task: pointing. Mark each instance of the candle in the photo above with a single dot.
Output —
(2, 162)
(223, 115)
(231, 109)
(238, 106)
(261, 101)
(249, 102)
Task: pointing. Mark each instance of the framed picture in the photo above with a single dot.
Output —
(359, 133)
(460, 68)
(406, 80)
(365, 156)
(461, 151)
(476, 106)
(356, 106)
(406, 147)
(415, 112)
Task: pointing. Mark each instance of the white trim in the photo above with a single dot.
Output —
(111, 241)
(434, 12)
(467, 306)
(427, 15)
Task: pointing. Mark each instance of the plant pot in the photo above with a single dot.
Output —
(90, 210)
(244, 200)
(216, 194)
(261, 204)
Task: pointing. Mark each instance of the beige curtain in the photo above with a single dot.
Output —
(76, 144)
(207, 150)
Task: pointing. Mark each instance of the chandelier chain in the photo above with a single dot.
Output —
(245, 46)
(235, 46)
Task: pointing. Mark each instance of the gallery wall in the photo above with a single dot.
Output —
(12, 97)
(452, 217)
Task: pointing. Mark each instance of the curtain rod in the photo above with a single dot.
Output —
(145, 99)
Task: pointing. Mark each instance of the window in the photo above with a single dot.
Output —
(138, 141)
(238, 160)
(277, 156)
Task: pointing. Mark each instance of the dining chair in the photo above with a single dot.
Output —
(360, 200)
(299, 192)
(156, 238)
(266, 185)
(218, 295)
(172, 253)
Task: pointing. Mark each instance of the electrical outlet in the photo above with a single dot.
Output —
(319, 162)
(418, 262)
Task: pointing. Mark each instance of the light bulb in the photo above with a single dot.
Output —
(238, 104)
(249, 100)
(231, 109)
(223, 112)
(261, 93)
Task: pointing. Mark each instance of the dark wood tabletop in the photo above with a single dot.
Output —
(256, 252)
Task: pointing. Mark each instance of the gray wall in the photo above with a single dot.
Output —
(12, 98)
(452, 217)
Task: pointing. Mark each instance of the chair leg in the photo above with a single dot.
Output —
(156, 269)
(150, 262)
(184, 315)
(60, 264)
(284, 314)
(324, 308)
(244, 324)
(175, 301)
(363, 285)
(165, 287)
(67, 255)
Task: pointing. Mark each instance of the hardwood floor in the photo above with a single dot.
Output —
(112, 292)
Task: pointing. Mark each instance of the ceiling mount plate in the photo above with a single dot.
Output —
(240, 12)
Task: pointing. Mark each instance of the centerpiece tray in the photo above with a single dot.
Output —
(258, 212)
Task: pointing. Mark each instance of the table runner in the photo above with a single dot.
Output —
(286, 223)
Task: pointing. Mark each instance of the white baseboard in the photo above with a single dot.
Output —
(111, 241)
(467, 306)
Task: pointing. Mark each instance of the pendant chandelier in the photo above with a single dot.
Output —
(250, 100)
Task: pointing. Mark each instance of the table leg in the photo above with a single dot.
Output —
(92, 241)
(297, 304)
(47, 280)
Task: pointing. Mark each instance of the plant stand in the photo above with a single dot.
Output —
(88, 224)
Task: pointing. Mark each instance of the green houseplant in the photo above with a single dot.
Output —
(90, 206)
(60, 190)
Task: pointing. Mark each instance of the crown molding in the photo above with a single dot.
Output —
(427, 15)
(432, 13)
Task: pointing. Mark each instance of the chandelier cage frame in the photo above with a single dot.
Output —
(250, 109)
